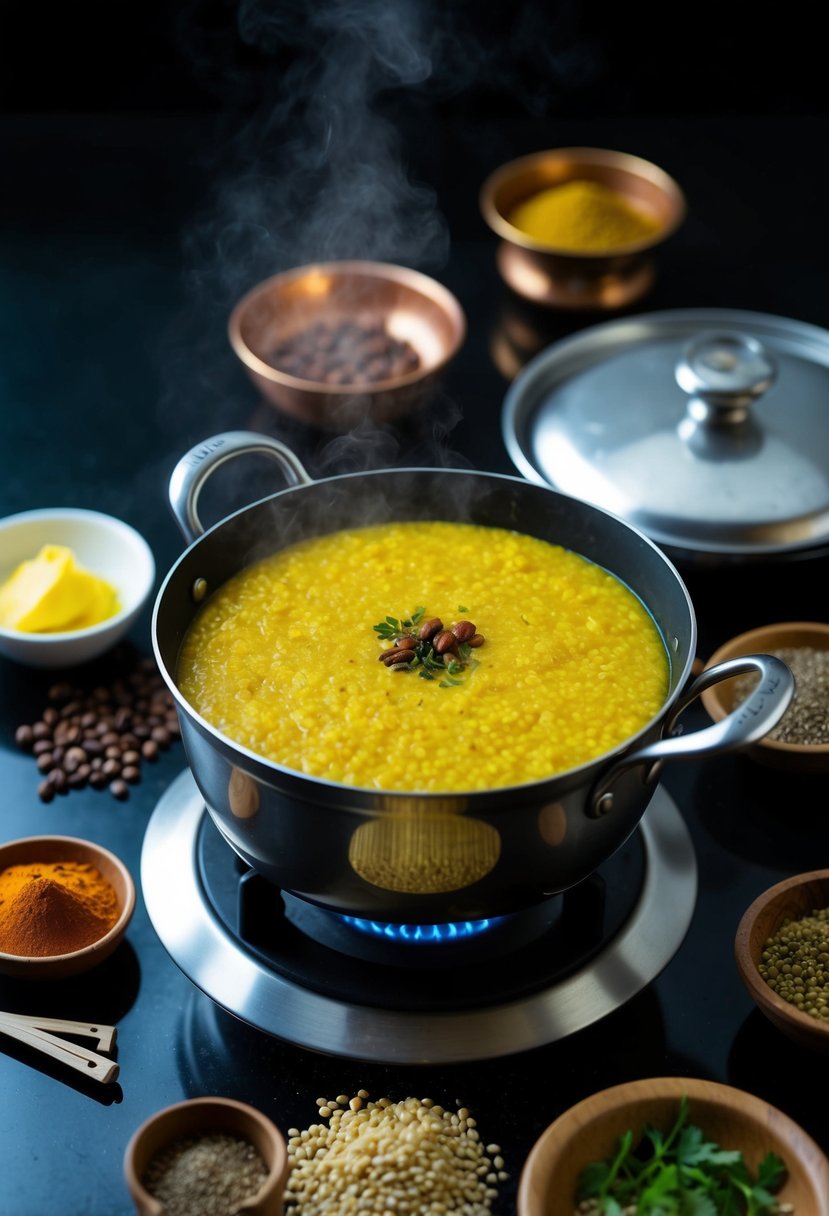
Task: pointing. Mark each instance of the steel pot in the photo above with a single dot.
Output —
(428, 857)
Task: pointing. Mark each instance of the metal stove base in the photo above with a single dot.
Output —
(244, 986)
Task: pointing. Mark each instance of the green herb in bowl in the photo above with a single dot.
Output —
(679, 1173)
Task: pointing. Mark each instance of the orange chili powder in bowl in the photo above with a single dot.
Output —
(55, 908)
(64, 906)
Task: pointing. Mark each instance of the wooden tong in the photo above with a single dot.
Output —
(36, 1032)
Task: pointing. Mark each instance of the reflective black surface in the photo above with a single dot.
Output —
(113, 312)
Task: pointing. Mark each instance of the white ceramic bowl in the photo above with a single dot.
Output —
(103, 544)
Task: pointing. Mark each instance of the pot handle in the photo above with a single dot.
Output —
(194, 468)
(748, 722)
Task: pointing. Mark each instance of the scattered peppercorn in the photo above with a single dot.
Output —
(406, 1157)
(101, 736)
(795, 963)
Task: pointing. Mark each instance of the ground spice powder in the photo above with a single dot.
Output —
(208, 1176)
(806, 721)
(54, 908)
(583, 217)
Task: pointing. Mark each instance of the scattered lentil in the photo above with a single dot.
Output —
(807, 718)
(795, 963)
(101, 736)
(411, 1158)
(211, 1175)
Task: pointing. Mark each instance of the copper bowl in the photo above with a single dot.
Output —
(721, 699)
(732, 1118)
(791, 899)
(409, 306)
(560, 278)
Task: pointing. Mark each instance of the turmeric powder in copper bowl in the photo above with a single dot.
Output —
(65, 904)
(578, 226)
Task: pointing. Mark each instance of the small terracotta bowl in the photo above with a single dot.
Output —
(791, 899)
(719, 700)
(732, 1118)
(198, 1117)
(561, 278)
(44, 849)
(408, 306)
(104, 545)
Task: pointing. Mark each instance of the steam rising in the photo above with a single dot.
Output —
(322, 173)
(315, 168)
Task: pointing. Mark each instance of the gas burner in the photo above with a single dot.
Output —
(414, 994)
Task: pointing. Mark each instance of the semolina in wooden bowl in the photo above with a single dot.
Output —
(334, 344)
(732, 1118)
(193, 1125)
(792, 900)
(808, 645)
(46, 851)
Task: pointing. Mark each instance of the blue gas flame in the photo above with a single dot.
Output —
(426, 934)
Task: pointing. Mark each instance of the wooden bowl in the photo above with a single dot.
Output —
(790, 899)
(198, 1117)
(590, 1130)
(561, 278)
(44, 849)
(720, 699)
(409, 306)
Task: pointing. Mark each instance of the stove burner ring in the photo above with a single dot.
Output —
(428, 934)
(415, 945)
(244, 985)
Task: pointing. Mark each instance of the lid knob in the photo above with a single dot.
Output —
(724, 373)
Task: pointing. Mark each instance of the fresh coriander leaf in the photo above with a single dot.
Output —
(696, 1203)
(593, 1178)
(771, 1172)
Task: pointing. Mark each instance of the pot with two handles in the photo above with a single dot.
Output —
(425, 857)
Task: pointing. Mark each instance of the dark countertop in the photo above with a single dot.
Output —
(113, 305)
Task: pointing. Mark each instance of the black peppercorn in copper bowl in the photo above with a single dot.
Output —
(338, 343)
(800, 740)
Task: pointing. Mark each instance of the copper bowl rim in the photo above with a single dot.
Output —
(748, 643)
(604, 158)
(22, 964)
(418, 282)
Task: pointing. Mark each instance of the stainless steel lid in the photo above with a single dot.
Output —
(708, 429)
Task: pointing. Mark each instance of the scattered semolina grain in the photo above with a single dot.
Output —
(410, 1158)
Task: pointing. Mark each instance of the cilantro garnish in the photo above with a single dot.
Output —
(680, 1174)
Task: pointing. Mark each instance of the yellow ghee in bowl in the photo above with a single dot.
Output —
(53, 593)
(283, 659)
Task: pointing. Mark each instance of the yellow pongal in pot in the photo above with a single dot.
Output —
(566, 664)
